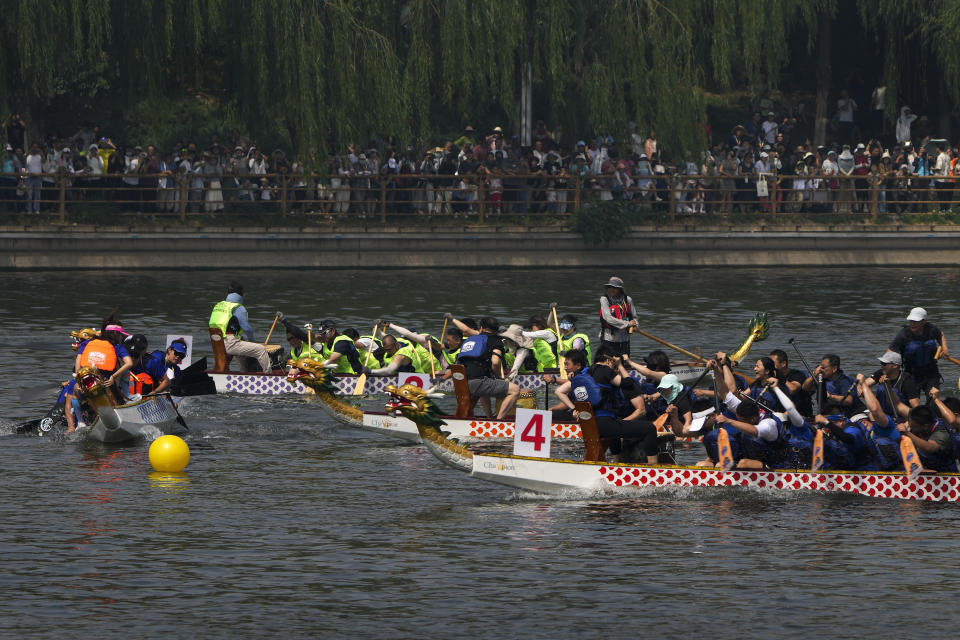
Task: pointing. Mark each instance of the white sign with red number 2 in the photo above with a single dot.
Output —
(531, 436)
(421, 380)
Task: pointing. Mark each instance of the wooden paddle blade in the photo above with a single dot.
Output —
(723, 450)
(661, 422)
(460, 388)
(817, 451)
(361, 383)
(912, 467)
(594, 449)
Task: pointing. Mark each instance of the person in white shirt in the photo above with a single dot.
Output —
(33, 167)
(942, 182)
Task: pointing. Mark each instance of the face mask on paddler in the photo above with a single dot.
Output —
(670, 387)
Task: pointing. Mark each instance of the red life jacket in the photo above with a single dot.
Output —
(620, 311)
(141, 383)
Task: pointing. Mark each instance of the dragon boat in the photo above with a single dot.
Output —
(148, 417)
(309, 373)
(278, 383)
(399, 426)
(594, 473)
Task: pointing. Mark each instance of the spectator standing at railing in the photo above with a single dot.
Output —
(34, 167)
(922, 167)
(213, 186)
(149, 183)
(166, 194)
(131, 162)
(942, 171)
(51, 163)
(754, 128)
(861, 167)
(8, 179)
(427, 168)
(846, 194)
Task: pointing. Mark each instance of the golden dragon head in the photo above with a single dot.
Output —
(757, 331)
(90, 385)
(415, 404)
(82, 336)
(311, 373)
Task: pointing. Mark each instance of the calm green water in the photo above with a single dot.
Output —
(289, 525)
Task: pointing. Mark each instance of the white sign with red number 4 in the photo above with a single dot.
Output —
(531, 437)
(421, 380)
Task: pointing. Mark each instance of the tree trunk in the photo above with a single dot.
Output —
(824, 78)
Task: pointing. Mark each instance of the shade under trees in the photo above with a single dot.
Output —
(321, 73)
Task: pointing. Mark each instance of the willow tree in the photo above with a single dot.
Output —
(326, 72)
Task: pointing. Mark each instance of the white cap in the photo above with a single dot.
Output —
(917, 314)
(699, 418)
(891, 357)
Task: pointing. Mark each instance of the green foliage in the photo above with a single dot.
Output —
(322, 73)
(603, 221)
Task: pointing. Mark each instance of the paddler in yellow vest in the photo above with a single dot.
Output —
(420, 344)
(230, 316)
(538, 340)
(339, 349)
(571, 338)
(399, 356)
(369, 348)
(297, 339)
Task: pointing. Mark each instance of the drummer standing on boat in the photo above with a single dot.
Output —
(920, 343)
(230, 316)
(617, 317)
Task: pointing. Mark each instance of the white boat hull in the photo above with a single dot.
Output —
(148, 418)
(554, 476)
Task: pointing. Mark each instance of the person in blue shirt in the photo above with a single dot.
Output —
(845, 441)
(153, 372)
(836, 386)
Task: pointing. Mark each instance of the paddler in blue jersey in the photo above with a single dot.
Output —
(845, 445)
(481, 355)
(153, 372)
(597, 385)
(838, 388)
(757, 438)
(920, 343)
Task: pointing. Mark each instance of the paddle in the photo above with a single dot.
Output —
(556, 324)
(940, 355)
(817, 463)
(670, 346)
(724, 452)
(433, 368)
(792, 342)
(32, 393)
(912, 467)
(270, 333)
(362, 378)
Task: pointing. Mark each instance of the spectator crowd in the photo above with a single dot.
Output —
(759, 166)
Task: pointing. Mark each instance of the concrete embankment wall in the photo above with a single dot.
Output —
(506, 247)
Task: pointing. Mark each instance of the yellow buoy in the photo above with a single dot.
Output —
(169, 453)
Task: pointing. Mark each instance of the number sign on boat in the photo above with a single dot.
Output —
(531, 437)
(421, 380)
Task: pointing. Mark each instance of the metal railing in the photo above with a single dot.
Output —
(476, 198)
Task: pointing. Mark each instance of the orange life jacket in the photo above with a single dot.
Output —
(141, 383)
(100, 354)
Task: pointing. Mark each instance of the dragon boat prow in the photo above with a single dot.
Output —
(415, 404)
